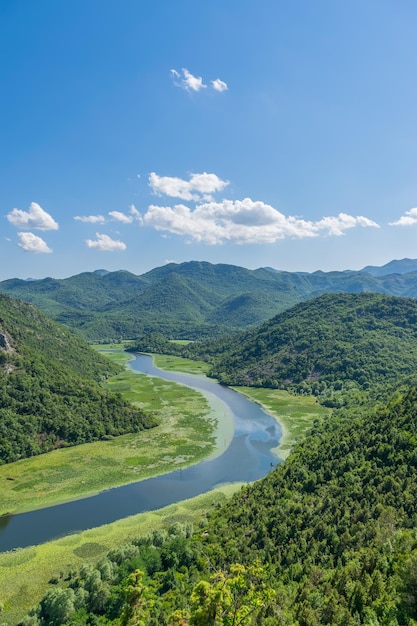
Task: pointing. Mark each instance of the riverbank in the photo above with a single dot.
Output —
(191, 428)
(24, 573)
(295, 414)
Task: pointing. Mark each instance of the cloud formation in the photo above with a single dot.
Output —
(32, 243)
(189, 82)
(106, 243)
(117, 216)
(35, 217)
(91, 219)
(199, 186)
(244, 222)
(408, 219)
(121, 217)
(137, 215)
(219, 85)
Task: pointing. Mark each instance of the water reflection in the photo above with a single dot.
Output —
(247, 458)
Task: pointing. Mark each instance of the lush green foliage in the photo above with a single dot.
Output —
(330, 536)
(328, 346)
(327, 538)
(144, 583)
(336, 523)
(50, 392)
(192, 300)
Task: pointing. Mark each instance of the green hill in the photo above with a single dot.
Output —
(195, 299)
(322, 344)
(50, 387)
(336, 524)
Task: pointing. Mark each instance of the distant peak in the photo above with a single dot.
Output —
(101, 272)
(402, 266)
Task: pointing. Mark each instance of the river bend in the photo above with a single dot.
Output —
(249, 457)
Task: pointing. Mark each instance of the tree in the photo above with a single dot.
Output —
(135, 610)
(233, 599)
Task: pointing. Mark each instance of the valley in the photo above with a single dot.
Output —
(326, 537)
(71, 473)
(208, 313)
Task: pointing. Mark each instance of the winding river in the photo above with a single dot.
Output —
(248, 457)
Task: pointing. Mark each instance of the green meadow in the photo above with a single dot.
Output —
(179, 364)
(24, 573)
(187, 432)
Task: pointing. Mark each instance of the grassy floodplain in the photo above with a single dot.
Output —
(24, 573)
(179, 364)
(296, 414)
(186, 434)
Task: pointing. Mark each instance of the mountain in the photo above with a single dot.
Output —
(404, 266)
(50, 387)
(362, 338)
(192, 300)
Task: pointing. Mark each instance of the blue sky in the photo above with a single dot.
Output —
(267, 133)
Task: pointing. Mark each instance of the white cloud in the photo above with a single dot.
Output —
(408, 219)
(187, 81)
(135, 213)
(35, 217)
(104, 242)
(199, 185)
(32, 243)
(91, 219)
(337, 225)
(219, 85)
(121, 217)
(244, 221)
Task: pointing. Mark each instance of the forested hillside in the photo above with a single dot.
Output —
(330, 536)
(50, 387)
(327, 538)
(195, 299)
(322, 346)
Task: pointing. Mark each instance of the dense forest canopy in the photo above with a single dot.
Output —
(50, 393)
(194, 299)
(324, 346)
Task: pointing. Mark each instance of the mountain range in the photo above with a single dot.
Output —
(194, 299)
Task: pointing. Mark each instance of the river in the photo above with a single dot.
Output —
(249, 457)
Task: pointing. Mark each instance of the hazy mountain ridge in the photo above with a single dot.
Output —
(194, 299)
(403, 266)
